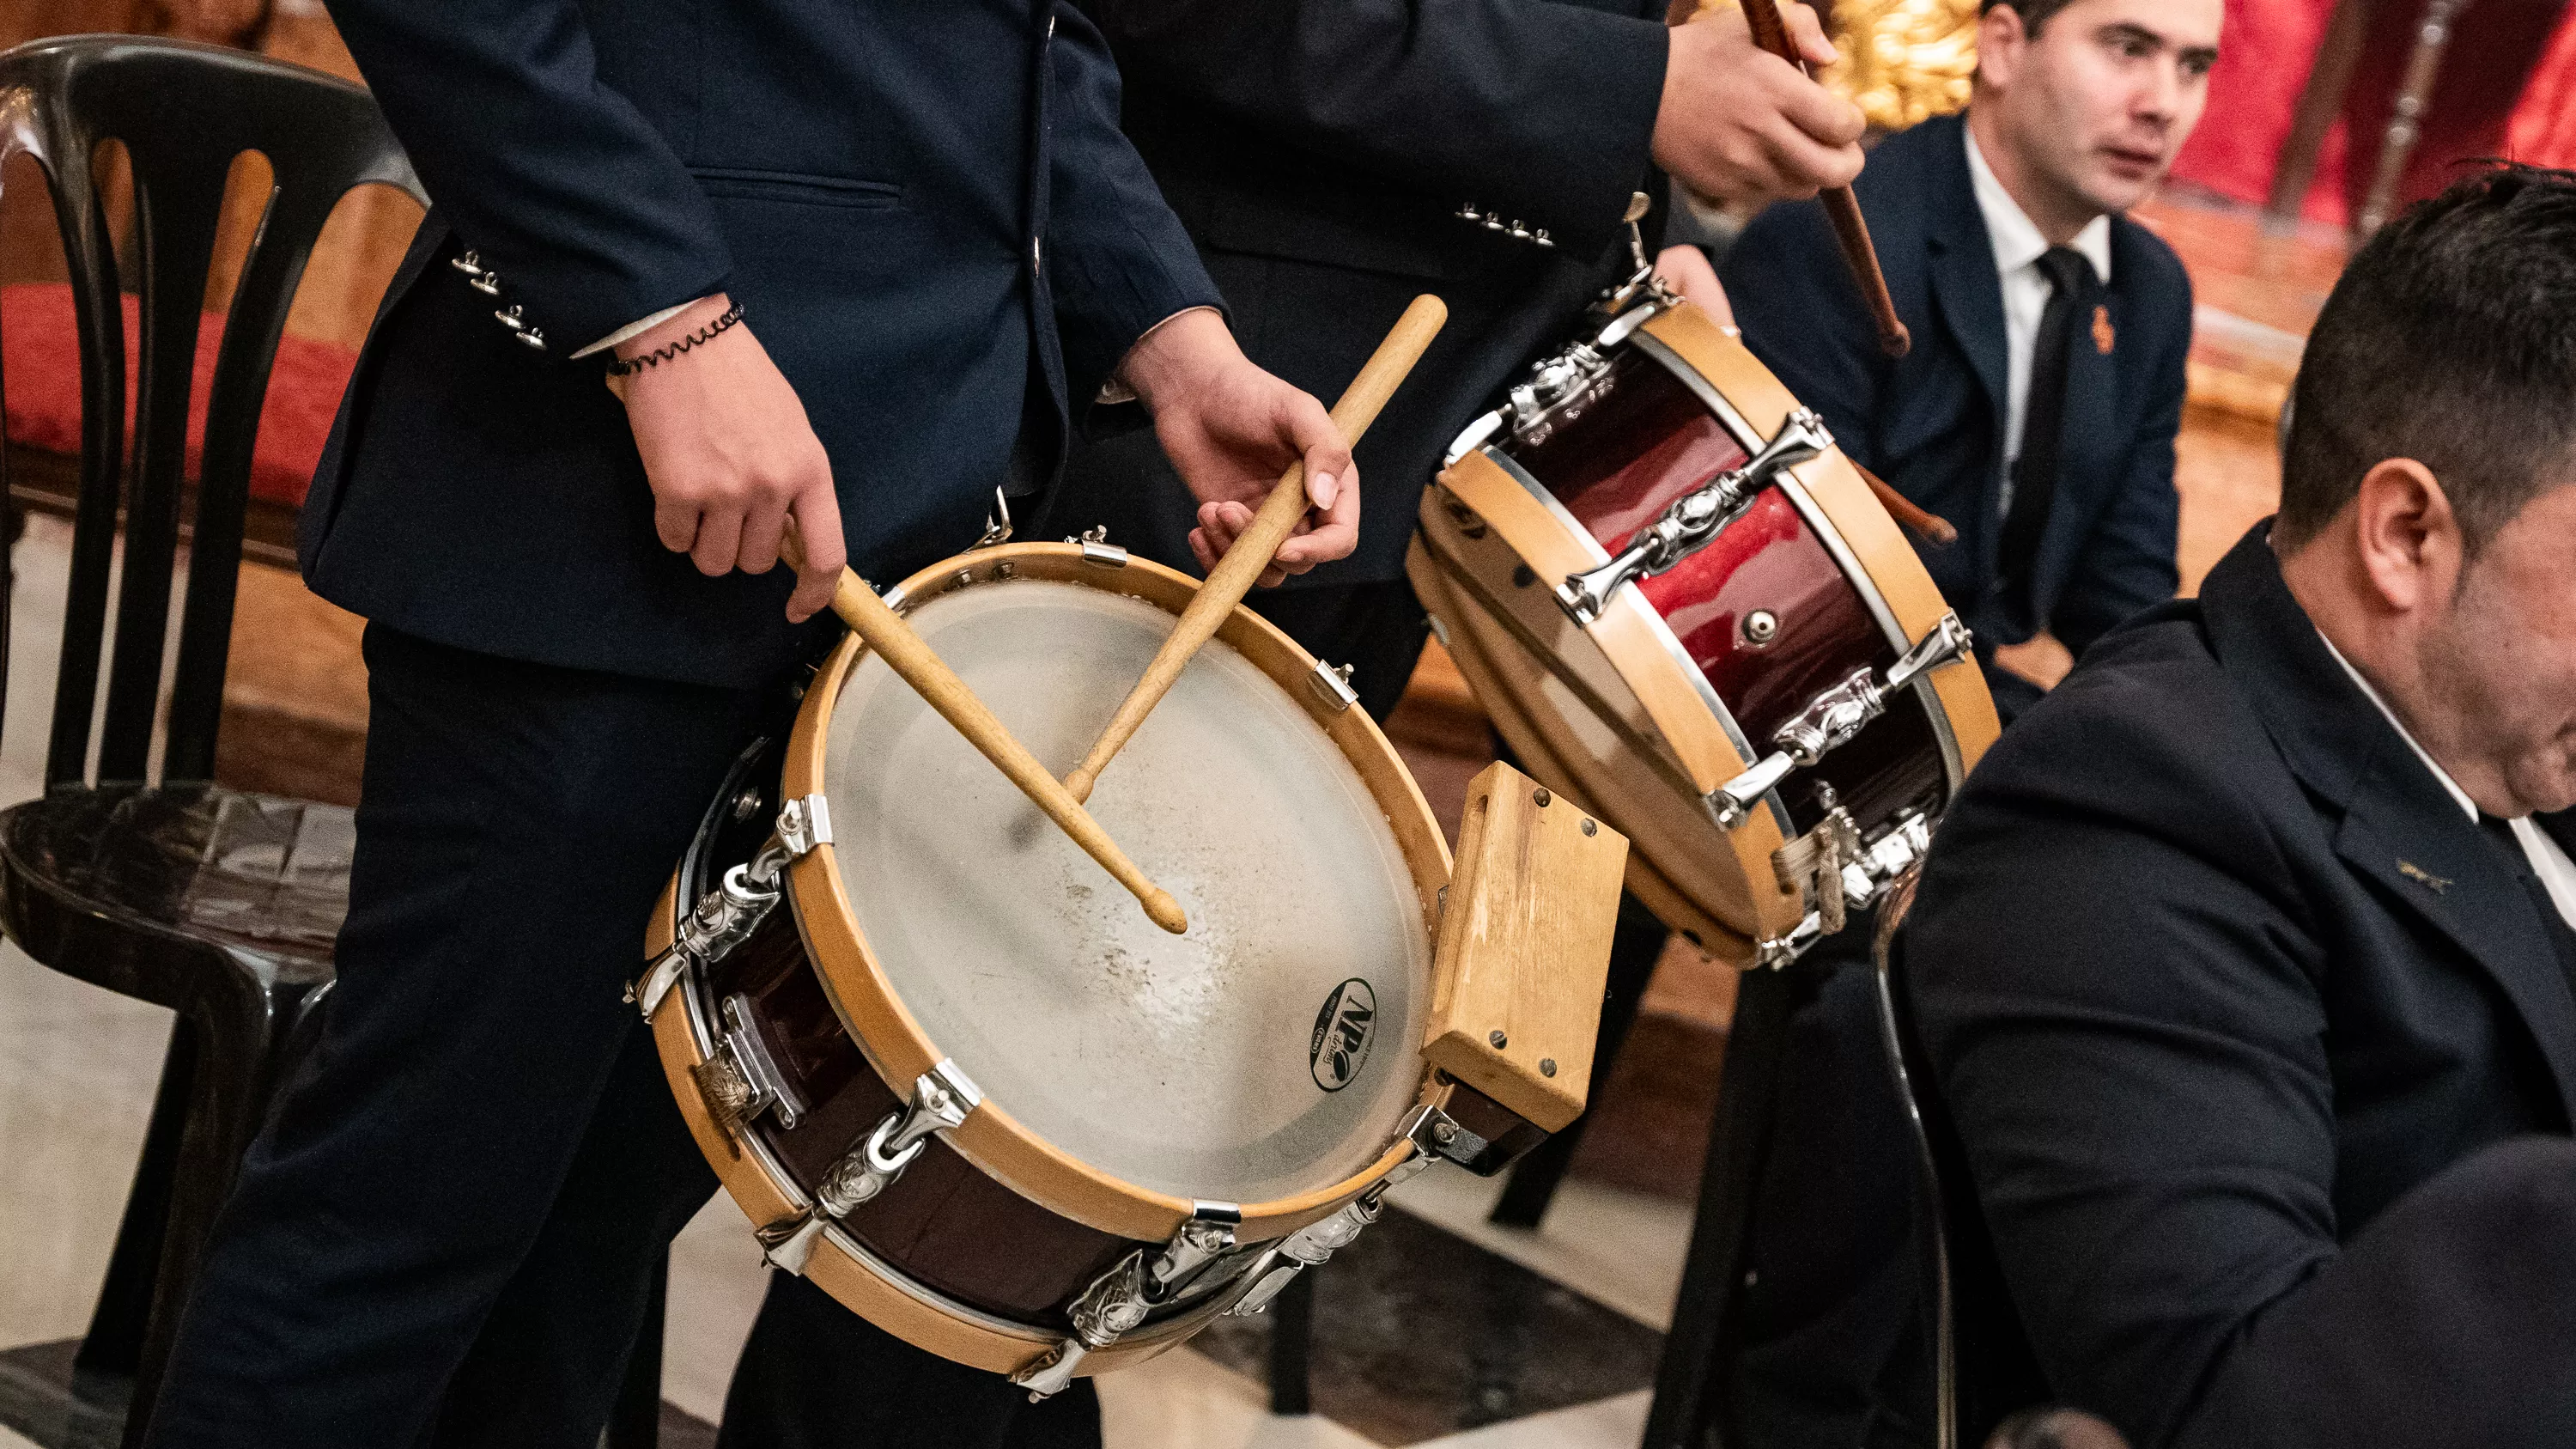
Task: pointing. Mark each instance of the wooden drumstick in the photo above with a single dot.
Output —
(1932, 526)
(908, 655)
(1242, 566)
(1850, 229)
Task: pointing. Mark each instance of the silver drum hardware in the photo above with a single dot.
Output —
(942, 1099)
(1833, 717)
(1895, 855)
(1694, 518)
(1118, 1301)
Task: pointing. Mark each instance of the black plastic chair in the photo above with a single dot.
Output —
(218, 904)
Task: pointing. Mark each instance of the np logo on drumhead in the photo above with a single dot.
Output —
(1343, 1031)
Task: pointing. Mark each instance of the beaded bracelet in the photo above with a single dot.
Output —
(659, 355)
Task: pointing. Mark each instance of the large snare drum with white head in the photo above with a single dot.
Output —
(954, 1072)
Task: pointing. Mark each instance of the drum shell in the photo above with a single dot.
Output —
(1843, 591)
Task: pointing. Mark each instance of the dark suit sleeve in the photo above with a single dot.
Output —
(1800, 314)
(2115, 991)
(1543, 112)
(2127, 564)
(560, 183)
(1122, 262)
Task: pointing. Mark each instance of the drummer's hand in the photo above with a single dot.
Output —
(1685, 269)
(1231, 429)
(1740, 125)
(731, 457)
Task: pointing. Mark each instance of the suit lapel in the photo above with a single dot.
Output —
(2426, 855)
(2400, 830)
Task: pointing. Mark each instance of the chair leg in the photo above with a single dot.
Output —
(636, 1422)
(114, 1344)
(237, 1032)
(1687, 1395)
(1634, 948)
(1292, 1334)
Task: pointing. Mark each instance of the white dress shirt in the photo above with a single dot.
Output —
(2550, 863)
(2018, 247)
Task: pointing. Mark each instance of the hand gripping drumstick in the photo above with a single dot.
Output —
(1235, 574)
(910, 657)
(1763, 18)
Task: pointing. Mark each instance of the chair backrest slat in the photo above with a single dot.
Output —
(184, 112)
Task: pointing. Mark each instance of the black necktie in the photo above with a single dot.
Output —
(2043, 428)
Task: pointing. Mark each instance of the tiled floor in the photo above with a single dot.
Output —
(78, 1066)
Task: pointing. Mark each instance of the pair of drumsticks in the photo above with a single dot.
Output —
(918, 665)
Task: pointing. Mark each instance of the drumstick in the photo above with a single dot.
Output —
(1242, 566)
(909, 656)
(1932, 526)
(1763, 17)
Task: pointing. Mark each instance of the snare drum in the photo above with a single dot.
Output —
(1681, 604)
(959, 1078)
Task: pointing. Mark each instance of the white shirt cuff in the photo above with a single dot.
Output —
(1116, 390)
(639, 328)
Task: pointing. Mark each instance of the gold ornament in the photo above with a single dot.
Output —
(1903, 61)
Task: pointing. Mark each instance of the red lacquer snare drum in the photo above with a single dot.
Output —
(1682, 605)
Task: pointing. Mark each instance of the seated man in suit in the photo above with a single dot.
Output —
(2242, 966)
(2036, 413)
(852, 264)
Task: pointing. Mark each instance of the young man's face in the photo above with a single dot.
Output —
(2096, 104)
(2499, 663)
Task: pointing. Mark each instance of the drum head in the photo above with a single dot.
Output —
(1269, 1051)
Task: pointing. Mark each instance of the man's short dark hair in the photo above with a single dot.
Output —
(2450, 339)
(2033, 13)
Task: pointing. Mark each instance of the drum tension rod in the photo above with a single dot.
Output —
(942, 1099)
(1693, 519)
(724, 917)
(1833, 717)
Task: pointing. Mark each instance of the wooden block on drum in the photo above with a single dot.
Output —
(1525, 947)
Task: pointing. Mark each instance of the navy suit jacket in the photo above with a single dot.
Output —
(1319, 154)
(2228, 1004)
(925, 207)
(1932, 424)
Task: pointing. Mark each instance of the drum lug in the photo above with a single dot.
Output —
(1814, 865)
(1097, 549)
(1118, 1301)
(1433, 1134)
(942, 1099)
(1476, 435)
(804, 823)
(1693, 519)
(723, 919)
(1834, 717)
(1877, 870)
(1332, 685)
(1208, 1235)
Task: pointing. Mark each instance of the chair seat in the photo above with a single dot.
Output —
(40, 358)
(261, 878)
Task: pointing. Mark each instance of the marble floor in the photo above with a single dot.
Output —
(1578, 1305)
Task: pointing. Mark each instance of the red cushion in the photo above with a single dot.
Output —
(40, 359)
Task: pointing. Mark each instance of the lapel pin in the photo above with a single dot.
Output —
(2103, 336)
(2421, 876)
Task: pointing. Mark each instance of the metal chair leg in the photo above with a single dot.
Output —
(1687, 1395)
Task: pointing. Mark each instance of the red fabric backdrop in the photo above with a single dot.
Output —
(2507, 87)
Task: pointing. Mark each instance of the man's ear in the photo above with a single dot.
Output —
(2407, 538)
(2000, 35)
